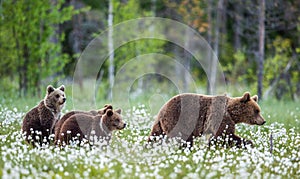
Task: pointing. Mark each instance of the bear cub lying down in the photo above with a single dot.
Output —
(190, 115)
(91, 127)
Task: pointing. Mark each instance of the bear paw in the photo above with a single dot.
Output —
(247, 142)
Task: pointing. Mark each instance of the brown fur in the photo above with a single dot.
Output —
(80, 126)
(191, 115)
(71, 113)
(39, 122)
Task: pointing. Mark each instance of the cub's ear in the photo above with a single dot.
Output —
(50, 89)
(109, 112)
(246, 97)
(119, 111)
(108, 106)
(62, 88)
(255, 98)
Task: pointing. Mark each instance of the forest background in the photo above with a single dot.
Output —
(256, 42)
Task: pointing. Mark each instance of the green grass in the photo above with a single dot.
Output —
(285, 112)
(128, 156)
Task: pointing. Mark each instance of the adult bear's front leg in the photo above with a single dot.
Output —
(239, 142)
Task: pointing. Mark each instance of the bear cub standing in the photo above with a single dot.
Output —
(190, 115)
(39, 122)
(92, 128)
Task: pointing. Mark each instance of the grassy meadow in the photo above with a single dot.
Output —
(128, 156)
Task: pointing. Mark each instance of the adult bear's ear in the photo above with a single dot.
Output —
(62, 88)
(246, 97)
(109, 112)
(50, 89)
(119, 111)
(255, 98)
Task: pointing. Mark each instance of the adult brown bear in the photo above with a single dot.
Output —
(190, 115)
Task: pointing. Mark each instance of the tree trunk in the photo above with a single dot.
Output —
(153, 7)
(261, 44)
(24, 70)
(187, 62)
(19, 67)
(209, 21)
(217, 29)
(110, 47)
(213, 65)
(237, 26)
(223, 28)
(77, 35)
(177, 68)
(209, 38)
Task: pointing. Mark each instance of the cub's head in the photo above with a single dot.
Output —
(113, 120)
(245, 109)
(55, 98)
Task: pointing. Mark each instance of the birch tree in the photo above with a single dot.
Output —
(213, 64)
(110, 47)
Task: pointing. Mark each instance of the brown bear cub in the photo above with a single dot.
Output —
(71, 113)
(39, 122)
(92, 128)
(190, 115)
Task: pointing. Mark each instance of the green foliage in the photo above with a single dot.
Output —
(32, 53)
(275, 64)
(281, 68)
(31, 42)
(126, 10)
(240, 70)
